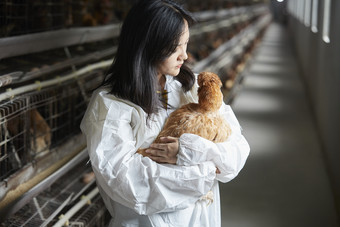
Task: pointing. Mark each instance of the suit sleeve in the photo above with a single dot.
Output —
(229, 156)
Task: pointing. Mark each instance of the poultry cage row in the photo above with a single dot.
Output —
(59, 201)
(35, 126)
(37, 118)
(36, 122)
(18, 17)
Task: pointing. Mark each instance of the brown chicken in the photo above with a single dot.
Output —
(40, 133)
(200, 118)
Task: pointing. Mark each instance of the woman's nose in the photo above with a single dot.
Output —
(183, 56)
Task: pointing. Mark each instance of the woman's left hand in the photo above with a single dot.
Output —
(164, 152)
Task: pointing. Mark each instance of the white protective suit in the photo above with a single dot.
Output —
(140, 192)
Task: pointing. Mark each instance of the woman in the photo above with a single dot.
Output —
(127, 113)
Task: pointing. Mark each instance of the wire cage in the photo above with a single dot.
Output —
(19, 17)
(25, 16)
(13, 136)
(34, 123)
(46, 208)
(92, 215)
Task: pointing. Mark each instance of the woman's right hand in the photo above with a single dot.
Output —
(164, 152)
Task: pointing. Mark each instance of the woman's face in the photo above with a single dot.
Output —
(171, 66)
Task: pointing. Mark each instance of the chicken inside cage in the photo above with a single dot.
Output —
(39, 131)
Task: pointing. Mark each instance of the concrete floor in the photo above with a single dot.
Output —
(284, 182)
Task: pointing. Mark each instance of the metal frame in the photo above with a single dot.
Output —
(37, 42)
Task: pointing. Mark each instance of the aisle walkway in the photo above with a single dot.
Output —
(284, 182)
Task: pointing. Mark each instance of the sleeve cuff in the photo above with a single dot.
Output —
(191, 150)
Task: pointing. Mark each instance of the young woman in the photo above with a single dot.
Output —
(127, 112)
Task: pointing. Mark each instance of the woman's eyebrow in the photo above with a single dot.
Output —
(184, 42)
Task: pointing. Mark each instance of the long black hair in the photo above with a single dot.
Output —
(150, 33)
